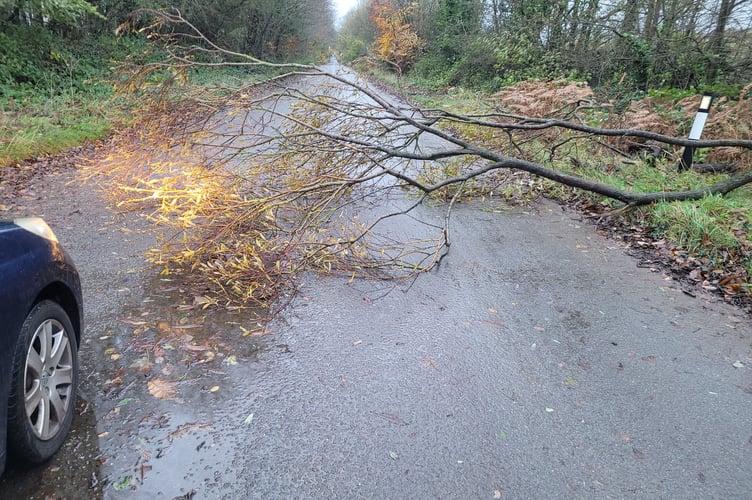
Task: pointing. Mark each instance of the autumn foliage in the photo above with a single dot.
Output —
(397, 43)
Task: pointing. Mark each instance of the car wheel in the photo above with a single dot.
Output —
(44, 386)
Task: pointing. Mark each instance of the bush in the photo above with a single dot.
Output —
(26, 55)
(352, 48)
(477, 66)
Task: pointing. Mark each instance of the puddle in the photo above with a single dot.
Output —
(161, 388)
(171, 369)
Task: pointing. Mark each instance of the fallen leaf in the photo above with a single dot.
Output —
(649, 359)
(144, 468)
(248, 419)
(393, 455)
(255, 333)
(738, 364)
(203, 301)
(497, 494)
(132, 321)
(391, 417)
(214, 389)
(124, 483)
(196, 348)
(428, 363)
(231, 360)
(494, 324)
(162, 389)
(124, 401)
(625, 437)
(570, 381)
(184, 429)
(638, 454)
(142, 364)
(549, 410)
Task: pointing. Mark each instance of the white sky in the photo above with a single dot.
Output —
(342, 6)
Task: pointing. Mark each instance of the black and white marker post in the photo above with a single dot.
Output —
(694, 134)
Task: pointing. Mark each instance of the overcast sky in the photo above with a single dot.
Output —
(342, 6)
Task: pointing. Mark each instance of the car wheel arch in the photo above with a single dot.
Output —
(62, 295)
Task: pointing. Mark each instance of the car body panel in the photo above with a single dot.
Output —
(32, 268)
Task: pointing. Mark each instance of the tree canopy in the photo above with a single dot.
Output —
(67, 12)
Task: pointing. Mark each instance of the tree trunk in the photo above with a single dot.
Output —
(717, 41)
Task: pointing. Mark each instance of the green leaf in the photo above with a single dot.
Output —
(124, 483)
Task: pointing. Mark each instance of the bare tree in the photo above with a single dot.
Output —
(717, 44)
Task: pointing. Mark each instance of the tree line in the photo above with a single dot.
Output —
(48, 43)
(638, 44)
(621, 44)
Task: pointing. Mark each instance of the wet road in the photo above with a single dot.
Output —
(537, 362)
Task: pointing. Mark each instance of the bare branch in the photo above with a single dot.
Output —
(321, 161)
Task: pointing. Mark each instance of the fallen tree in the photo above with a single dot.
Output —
(263, 182)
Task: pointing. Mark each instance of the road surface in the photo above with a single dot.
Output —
(538, 361)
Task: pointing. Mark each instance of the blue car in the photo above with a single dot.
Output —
(41, 321)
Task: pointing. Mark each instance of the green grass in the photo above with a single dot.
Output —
(35, 121)
(43, 127)
(712, 227)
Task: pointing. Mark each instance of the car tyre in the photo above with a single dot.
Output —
(44, 384)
